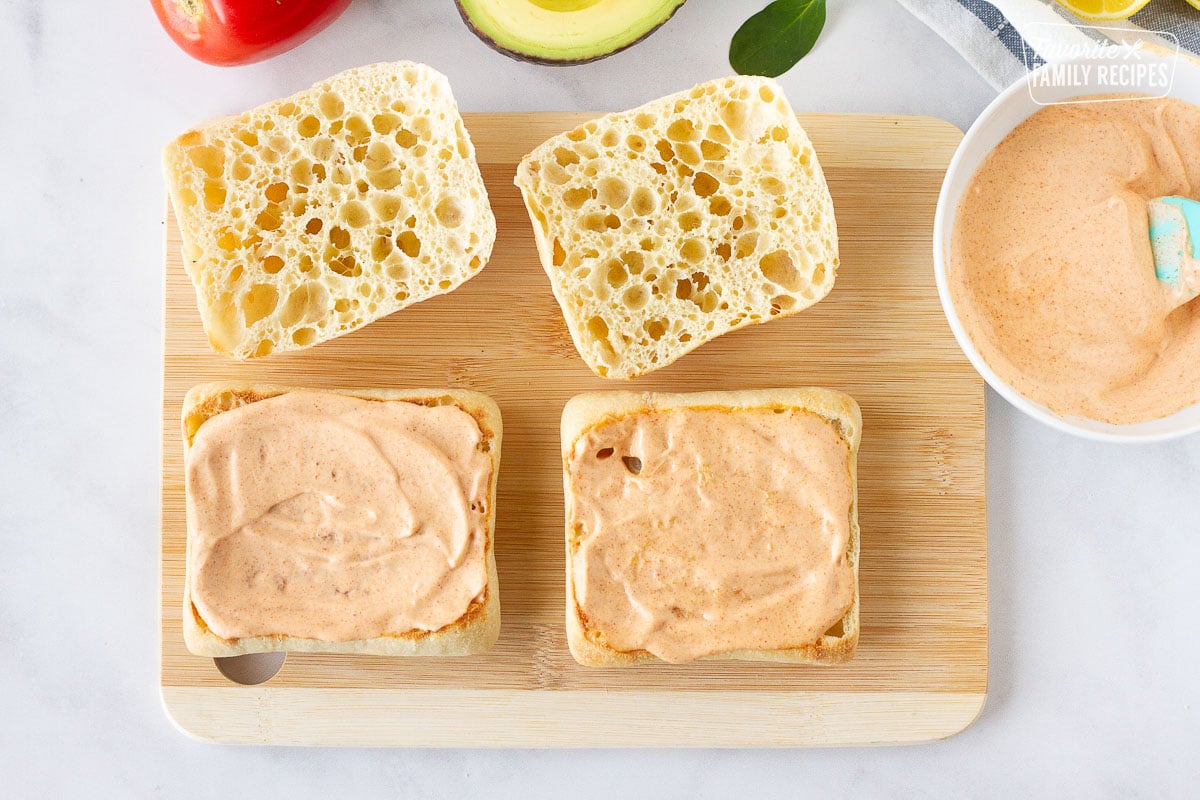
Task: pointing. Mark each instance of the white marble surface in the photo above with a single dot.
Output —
(1094, 548)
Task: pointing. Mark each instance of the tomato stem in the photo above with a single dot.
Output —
(192, 9)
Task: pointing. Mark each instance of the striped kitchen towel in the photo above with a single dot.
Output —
(997, 38)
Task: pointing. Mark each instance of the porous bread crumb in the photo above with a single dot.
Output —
(691, 216)
(313, 215)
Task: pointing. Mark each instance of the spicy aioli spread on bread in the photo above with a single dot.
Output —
(702, 531)
(1051, 269)
(336, 518)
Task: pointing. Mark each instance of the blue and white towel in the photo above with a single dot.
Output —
(995, 37)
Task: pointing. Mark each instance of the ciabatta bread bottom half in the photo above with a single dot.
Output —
(474, 632)
(587, 412)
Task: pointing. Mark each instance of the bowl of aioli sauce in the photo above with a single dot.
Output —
(1043, 261)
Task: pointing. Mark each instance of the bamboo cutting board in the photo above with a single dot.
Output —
(921, 668)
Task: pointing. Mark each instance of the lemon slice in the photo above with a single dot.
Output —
(1107, 9)
(1193, 3)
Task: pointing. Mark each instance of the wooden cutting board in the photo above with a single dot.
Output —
(921, 668)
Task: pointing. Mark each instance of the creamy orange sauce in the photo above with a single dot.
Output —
(1051, 271)
(701, 531)
(334, 518)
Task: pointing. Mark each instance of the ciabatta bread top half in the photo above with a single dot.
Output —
(667, 225)
(313, 215)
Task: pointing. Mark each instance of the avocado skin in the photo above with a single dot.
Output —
(555, 62)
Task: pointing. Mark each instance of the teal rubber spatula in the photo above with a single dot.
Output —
(1175, 241)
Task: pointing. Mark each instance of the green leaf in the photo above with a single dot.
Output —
(773, 40)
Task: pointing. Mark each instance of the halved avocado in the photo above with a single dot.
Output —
(564, 31)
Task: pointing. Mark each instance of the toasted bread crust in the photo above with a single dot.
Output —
(587, 411)
(474, 632)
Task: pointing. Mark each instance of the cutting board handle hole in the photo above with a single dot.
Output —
(252, 669)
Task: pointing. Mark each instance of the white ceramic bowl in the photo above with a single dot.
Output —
(1007, 111)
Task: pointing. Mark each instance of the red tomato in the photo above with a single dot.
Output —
(227, 32)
